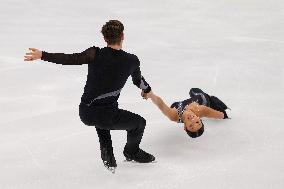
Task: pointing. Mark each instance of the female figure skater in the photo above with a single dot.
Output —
(190, 111)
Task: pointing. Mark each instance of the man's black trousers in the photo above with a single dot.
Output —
(110, 117)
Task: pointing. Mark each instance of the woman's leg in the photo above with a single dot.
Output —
(199, 96)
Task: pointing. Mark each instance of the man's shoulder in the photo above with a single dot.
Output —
(95, 48)
(91, 51)
(131, 56)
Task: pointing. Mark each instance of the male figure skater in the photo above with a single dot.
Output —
(108, 70)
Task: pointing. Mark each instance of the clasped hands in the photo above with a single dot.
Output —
(146, 95)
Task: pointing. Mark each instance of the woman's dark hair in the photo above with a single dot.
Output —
(197, 133)
(112, 32)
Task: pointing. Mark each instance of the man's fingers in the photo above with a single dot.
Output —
(29, 53)
(32, 49)
(28, 58)
(144, 95)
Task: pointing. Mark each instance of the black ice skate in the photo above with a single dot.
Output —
(108, 160)
(140, 156)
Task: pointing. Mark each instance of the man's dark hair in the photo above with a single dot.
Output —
(197, 133)
(112, 32)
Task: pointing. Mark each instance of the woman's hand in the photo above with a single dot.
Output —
(33, 55)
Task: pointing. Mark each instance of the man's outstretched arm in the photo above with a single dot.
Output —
(84, 57)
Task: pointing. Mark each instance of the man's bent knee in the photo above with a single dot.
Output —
(142, 124)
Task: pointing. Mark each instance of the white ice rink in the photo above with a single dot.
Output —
(233, 49)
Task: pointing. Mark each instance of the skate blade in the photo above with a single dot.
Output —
(111, 169)
(132, 161)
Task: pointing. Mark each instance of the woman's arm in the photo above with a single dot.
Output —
(211, 113)
(171, 113)
(84, 57)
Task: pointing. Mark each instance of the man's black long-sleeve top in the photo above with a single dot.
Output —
(108, 70)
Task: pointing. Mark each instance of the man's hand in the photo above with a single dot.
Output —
(33, 55)
(146, 95)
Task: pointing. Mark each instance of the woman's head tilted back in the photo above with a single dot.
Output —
(113, 32)
(197, 133)
(193, 125)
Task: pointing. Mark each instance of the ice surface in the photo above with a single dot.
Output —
(233, 49)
